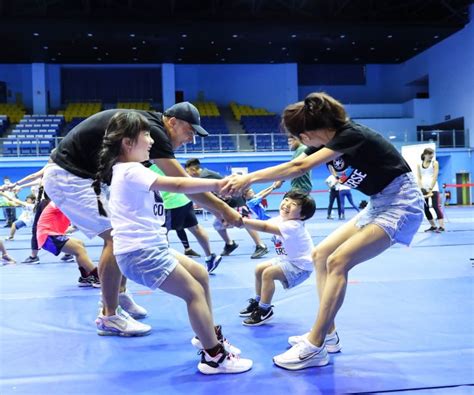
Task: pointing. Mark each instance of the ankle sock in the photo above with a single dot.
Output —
(257, 298)
(264, 306)
(215, 350)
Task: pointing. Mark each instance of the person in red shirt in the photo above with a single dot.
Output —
(51, 236)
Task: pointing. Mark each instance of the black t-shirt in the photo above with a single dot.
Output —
(369, 161)
(78, 152)
(237, 201)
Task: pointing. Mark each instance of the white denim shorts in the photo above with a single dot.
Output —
(293, 274)
(398, 209)
(76, 198)
(148, 266)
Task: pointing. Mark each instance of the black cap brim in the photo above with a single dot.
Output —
(200, 130)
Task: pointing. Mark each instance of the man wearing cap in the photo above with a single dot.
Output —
(67, 181)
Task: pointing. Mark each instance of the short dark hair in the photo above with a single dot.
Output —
(31, 197)
(193, 162)
(307, 203)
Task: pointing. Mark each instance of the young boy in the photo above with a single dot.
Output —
(26, 217)
(293, 244)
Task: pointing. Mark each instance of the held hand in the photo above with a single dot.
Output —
(235, 184)
(231, 217)
(277, 184)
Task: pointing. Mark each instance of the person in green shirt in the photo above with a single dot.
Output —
(180, 216)
(302, 183)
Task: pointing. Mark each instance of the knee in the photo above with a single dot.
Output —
(337, 264)
(267, 274)
(319, 256)
(202, 275)
(259, 270)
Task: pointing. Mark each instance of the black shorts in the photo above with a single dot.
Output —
(54, 244)
(181, 217)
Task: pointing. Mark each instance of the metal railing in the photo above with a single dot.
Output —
(15, 146)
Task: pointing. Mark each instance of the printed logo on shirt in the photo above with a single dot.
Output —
(279, 249)
(355, 178)
(338, 163)
(158, 207)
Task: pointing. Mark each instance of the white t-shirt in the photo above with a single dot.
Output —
(136, 213)
(295, 243)
(427, 176)
(27, 214)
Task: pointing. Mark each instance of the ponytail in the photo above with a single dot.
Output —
(317, 111)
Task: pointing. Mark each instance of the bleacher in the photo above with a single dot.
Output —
(33, 135)
(80, 110)
(14, 112)
(3, 124)
(144, 106)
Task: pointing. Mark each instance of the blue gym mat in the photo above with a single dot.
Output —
(406, 325)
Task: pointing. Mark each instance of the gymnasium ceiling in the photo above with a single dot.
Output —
(220, 31)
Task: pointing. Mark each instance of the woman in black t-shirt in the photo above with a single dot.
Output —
(393, 215)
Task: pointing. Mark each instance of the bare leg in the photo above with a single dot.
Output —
(182, 284)
(76, 247)
(255, 237)
(109, 274)
(201, 236)
(224, 235)
(324, 249)
(367, 243)
(12, 230)
(270, 274)
(259, 269)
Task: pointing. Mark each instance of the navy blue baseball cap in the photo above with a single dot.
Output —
(185, 111)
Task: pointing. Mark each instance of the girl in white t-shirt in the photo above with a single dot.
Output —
(26, 217)
(137, 214)
(293, 245)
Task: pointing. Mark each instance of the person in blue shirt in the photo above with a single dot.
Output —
(254, 200)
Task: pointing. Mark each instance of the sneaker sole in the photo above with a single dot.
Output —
(301, 365)
(101, 332)
(259, 323)
(259, 255)
(245, 314)
(206, 369)
(81, 285)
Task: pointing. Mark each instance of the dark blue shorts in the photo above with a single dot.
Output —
(54, 244)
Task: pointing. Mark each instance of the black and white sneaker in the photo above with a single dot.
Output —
(67, 258)
(259, 252)
(223, 362)
(252, 306)
(191, 252)
(213, 262)
(229, 248)
(259, 317)
(31, 260)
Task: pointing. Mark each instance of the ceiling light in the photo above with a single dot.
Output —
(132, 34)
(53, 59)
(36, 34)
(372, 48)
(315, 59)
(99, 59)
(45, 47)
(234, 36)
(106, 54)
(184, 35)
(389, 36)
(272, 61)
(95, 48)
(180, 59)
(436, 36)
(181, 48)
(212, 42)
(222, 59)
(143, 42)
(135, 59)
(328, 49)
(415, 49)
(342, 36)
(59, 53)
(397, 59)
(283, 48)
(356, 59)
(269, 43)
(89, 34)
(353, 43)
(229, 49)
(392, 137)
(293, 36)
(134, 48)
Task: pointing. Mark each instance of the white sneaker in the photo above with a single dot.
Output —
(223, 363)
(332, 341)
(227, 346)
(128, 304)
(302, 355)
(120, 324)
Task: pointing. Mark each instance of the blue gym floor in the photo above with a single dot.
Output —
(407, 325)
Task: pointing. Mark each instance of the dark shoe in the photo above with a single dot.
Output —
(229, 248)
(441, 229)
(32, 260)
(67, 258)
(329, 217)
(213, 262)
(431, 229)
(191, 252)
(259, 252)
(252, 306)
(259, 317)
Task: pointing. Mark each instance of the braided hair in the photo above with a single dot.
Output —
(317, 111)
(123, 124)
